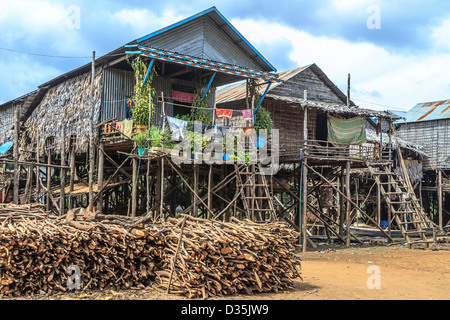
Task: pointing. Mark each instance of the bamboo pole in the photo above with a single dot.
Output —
(440, 212)
(100, 169)
(49, 179)
(91, 138)
(16, 154)
(347, 214)
(62, 197)
(38, 185)
(134, 188)
(72, 174)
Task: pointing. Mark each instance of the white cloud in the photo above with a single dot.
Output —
(399, 80)
(144, 21)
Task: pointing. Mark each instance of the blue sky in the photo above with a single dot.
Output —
(403, 61)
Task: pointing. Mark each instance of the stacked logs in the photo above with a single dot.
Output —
(224, 258)
(37, 252)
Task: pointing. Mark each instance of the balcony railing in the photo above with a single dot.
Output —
(319, 149)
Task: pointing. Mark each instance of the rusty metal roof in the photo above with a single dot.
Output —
(238, 90)
(429, 111)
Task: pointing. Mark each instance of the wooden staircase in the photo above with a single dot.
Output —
(255, 194)
(405, 208)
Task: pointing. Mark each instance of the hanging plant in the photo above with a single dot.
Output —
(142, 107)
(200, 112)
(263, 120)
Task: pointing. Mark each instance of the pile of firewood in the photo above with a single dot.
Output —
(38, 253)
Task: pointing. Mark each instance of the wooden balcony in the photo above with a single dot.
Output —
(324, 151)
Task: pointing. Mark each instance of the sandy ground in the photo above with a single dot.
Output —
(357, 273)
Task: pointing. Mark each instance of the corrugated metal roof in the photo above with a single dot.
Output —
(238, 90)
(228, 28)
(429, 111)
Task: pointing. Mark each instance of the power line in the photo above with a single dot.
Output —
(381, 105)
(42, 55)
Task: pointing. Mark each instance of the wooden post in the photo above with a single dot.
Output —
(134, 188)
(62, 197)
(91, 138)
(72, 174)
(348, 91)
(38, 185)
(194, 198)
(347, 213)
(16, 154)
(49, 179)
(440, 212)
(161, 192)
(341, 202)
(378, 204)
(209, 191)
(305, 180)
(100, 169)
(304, 205)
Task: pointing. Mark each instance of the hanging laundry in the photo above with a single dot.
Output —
(177, 126)
(247, 114)
(119, 125)
(378, 128)
(183, 96)
(127, 127)
(224, 113)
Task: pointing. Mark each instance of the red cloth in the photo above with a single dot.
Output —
(224, 113)
(378, 128)
(183, 96)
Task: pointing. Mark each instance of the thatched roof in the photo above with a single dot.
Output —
(67, 105)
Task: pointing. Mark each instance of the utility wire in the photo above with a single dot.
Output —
(53, 56)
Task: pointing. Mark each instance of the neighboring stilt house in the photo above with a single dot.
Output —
(326, 142)
(428, 124)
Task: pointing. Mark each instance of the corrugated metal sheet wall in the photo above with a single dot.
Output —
(434, 136)
(117, 87)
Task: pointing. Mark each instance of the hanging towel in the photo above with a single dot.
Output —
(127, 127)
(177, 126)
(119, 125)
(247, 114)
(224, 113)
(183, 96)
(343, 132)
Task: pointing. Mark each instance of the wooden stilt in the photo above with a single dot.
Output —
(347, 213)
(91, 138)
(62, 197)
(134, 188)
(194, 198)
(304, 205)
(209, 190)
(16, 154)
(49, 179)
(161, 193)
(38, 185)
(440, 212)
(100, 170)
(72, 175)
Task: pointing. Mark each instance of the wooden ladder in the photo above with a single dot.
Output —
(255, 194)
(405, 208)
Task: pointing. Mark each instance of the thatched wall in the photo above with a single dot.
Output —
(67, 106)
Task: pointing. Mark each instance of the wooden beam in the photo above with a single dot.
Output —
(62, 196)
(100, 171)
(91, 137)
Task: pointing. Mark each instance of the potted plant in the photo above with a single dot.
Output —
(142, 142)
